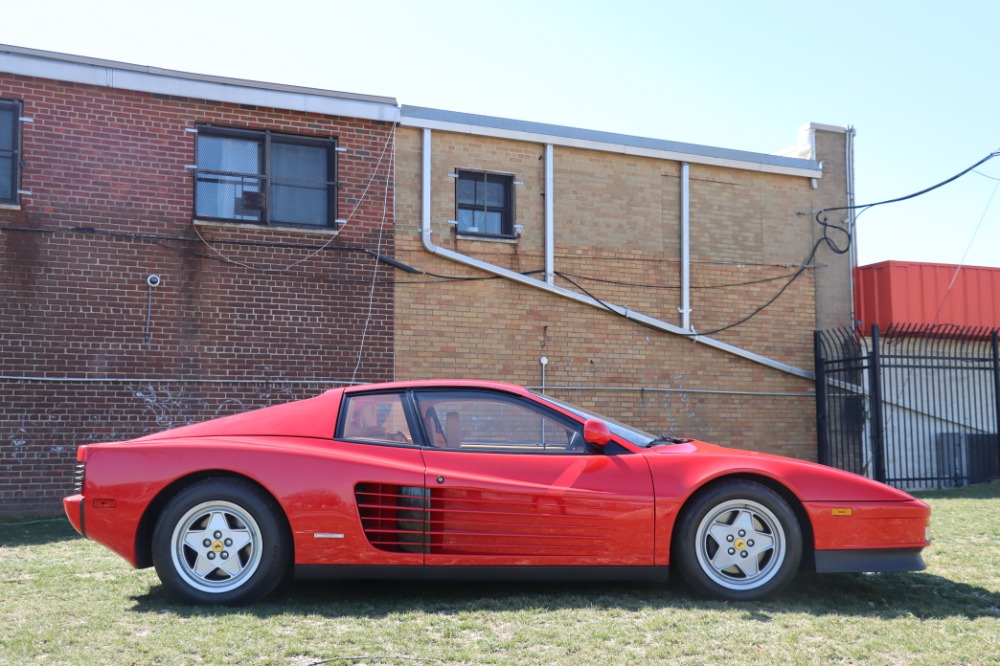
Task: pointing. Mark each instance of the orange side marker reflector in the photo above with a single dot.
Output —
(104, 504)
(842, 511)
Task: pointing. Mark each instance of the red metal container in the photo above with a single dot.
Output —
(903, 292)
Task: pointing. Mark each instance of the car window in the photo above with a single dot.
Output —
(484, 421)
(376, 417)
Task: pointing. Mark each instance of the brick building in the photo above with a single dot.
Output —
(252, 203)
(583, 236)
(261, 208)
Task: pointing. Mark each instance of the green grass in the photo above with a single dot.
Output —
(64, 600)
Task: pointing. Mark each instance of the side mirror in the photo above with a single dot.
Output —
(596, 432)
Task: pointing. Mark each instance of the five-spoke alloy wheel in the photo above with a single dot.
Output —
(220, 541)
(738, 540)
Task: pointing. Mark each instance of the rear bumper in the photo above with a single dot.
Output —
(74, 511)
(876, 559)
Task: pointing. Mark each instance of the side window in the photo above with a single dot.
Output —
(265, 178)
(10, 159)
(376, 418)
(484, 203)
(483, 421)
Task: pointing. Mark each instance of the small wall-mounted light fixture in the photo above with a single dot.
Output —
(518, 230)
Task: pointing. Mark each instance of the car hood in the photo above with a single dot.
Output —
(694, 463)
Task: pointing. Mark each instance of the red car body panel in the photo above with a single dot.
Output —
(481, 508)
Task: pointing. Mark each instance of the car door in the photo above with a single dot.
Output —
(510, 481)
(381, 467)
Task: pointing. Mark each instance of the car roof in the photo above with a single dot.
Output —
(439, 383)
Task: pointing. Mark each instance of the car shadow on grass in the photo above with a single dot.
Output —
(36, 532)
(884, 596)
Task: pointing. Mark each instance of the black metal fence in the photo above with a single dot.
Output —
(916, 407)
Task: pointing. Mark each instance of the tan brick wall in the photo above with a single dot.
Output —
(617, 235)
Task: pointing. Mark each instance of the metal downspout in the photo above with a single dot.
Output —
(550, 233)
(851, 217)
(660, 325)
(685, 308)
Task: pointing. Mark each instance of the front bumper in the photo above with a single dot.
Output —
(874, 559)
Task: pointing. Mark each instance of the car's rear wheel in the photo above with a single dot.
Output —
(738, 540)
(220, 541)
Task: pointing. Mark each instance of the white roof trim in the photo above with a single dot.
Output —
(124, 76)
(809, 169)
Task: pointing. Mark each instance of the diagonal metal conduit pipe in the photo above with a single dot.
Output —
(658, 324)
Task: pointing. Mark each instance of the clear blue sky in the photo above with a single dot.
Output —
(917, 80)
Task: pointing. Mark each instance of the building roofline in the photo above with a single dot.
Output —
(141, 78)
(468, 123)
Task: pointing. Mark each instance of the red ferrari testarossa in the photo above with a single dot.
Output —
(471, 479)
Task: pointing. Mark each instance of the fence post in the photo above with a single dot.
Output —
(822, 437)
(875, 401)
(996, 388)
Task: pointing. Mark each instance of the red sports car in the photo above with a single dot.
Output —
(469, 479)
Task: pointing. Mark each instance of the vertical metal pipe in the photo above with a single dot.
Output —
(550, 240)
(878, 425)
(685, 308)
(822, 437)
(425, 187)
(996, 390)
(851, 217)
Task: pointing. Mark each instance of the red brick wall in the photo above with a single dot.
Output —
(110, 203)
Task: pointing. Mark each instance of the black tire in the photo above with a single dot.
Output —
(737, 541)
(221, 541)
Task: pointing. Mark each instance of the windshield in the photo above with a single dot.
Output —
(633, 435)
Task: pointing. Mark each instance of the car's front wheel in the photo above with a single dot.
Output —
(738, 540)
(220, 541)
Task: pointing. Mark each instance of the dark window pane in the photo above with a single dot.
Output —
(496, 194)
(466, 191)
(8, 144)
(228, 154)
(299, 189)
(228, 184)
(6, 178)
(492, 223)
(7, 125)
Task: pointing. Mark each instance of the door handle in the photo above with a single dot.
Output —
(440, 479)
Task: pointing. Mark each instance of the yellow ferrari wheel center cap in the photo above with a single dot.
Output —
(739, 544)
(217, 546)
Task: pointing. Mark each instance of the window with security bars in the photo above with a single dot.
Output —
(265, 178)
(10, 143)
(485, 203)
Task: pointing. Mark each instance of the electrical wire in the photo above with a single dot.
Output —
(677, 287)
(378, 260)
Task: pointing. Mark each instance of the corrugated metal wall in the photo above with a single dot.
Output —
(900, 292)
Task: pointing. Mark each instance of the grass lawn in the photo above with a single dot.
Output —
(65, 600)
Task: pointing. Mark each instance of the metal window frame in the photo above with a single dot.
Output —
(16, 111)
(507, 212)
(266, 138)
